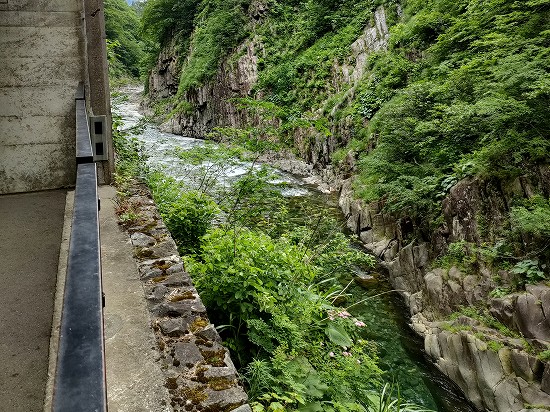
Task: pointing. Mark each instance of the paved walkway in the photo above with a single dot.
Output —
(135, 382)
(30, 237)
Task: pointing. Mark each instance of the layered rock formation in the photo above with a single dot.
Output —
(497, 370)
(208, 106)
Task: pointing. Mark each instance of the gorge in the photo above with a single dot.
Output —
(416, 115)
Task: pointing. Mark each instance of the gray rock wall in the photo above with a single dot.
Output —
(495, 371)
(200, 375)
(207, 106)
(494, 378)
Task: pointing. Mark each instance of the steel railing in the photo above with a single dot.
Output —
(80, 373)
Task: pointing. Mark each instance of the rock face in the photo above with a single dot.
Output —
(207, 106)
(527, 312)
(163, 81)
(495, 371)
(493, 368)
(493, 376)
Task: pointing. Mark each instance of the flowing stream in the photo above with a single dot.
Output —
(400, 350)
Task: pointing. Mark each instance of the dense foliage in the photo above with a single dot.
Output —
(272, 286)
(460, 91)
(470, 102)
(124, 46)
(270, 283)
(462, 86)
(203, 32)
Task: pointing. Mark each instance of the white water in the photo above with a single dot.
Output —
(161, 148)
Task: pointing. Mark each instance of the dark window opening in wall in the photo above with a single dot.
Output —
(98, 126)
(99, 148)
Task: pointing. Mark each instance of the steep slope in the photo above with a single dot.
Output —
(432, 120)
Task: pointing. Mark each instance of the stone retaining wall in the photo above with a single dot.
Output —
(200, 375)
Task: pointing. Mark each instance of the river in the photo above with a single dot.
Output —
(400, 350)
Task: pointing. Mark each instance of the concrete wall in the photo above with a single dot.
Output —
(42, 60)
(97, 79)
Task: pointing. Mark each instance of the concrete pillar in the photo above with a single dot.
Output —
(98, 95)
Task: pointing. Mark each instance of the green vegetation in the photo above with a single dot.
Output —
(164, 19)
(272, 289)
(129, 158)
(202, 32)
(460, 254)
(532, 217)
(187, 214)
(124, 46)
(272, 286)
(211, 152)
(472, 97)
(459, 92)
(529, 271)
(303, 350)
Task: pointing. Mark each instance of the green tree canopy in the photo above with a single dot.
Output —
(124, 44)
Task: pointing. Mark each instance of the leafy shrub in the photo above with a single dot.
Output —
(187, 214)
(129, 157)
(544, 355)
(306, 349)
(529, 271)
(499, 292)
(460, 253)
(211, 153)
(533, 217)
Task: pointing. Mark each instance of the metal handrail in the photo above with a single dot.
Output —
(80, 374)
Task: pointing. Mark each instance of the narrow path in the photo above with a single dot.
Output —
(31, 229)
(134, 379)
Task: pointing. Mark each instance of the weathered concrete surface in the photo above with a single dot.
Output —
(135, 381)
(29, 251)
(58, 303)
(98, 95)
(41, 46)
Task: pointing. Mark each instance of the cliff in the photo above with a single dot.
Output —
(443, 264)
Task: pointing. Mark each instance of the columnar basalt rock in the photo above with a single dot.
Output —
(494, 376)
(200, 375)
(495, 371)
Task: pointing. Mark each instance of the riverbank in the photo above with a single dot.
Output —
(161, 146)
